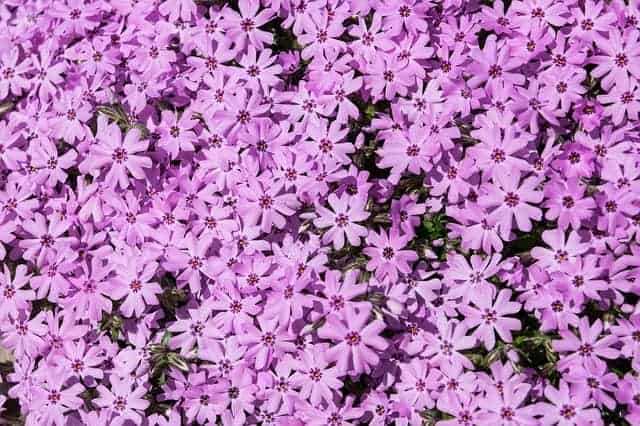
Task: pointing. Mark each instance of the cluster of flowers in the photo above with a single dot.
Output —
(320, 212)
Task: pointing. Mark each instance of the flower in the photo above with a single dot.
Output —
(53, 400)
(567, 406)
(13, 296)
(587, 347)
(513, 199)
(563, 250)
(358, 341)
(243, 27)
(341, 221)
(314, 377)
(269, 341)
(46, 239)
(387, 256)
(120, 155)
(488, 316)
(124, 400)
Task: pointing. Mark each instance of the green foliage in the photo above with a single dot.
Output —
(112, 324)
(117, 114)
(433, 227)
(433, 416)
(172, 297)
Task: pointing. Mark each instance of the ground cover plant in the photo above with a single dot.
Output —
(319, 212)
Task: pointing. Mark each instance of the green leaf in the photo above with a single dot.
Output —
(177, 361)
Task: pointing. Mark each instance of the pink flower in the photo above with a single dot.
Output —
(22, 336)
(513, 199)
(341, 221)
(621, 56)
(267, 206)
(566, 202)
(470, 281)
(329, 140)
(244, 26)
(53, 401)
(133, 283)
(120, 155)
(387, 78)
(528, 13)
(494, 62)
(124, 400)
(176, 134)
(196, 329)
(622, 101)
(260, 72)
(411, 152)
(387, 256)
(314, 377)
(46, 238)
(491, 315)
(266, 342)
(587, 347)
(51, 165)
(13, 296)
(567, 407)
(563, 250)
(357, 341)
(175, 9)
(12, 73)
(416, 383)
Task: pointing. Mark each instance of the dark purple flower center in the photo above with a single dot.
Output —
(490, 316)
(511, 199)
(611, 206)
(498, 156)
(315, 374)
(120, 403)
(234, 392)
(587, 25)
(561, 256)
(342, 220)
(621, 60)
(253, 279)
(353, 338)
(413, 150)
(561, 87)
(247, 25)
(197, 328)
(77, 365)
(54, 397)
(266, 202)
(538, 12)
(557, 306)
(578, 281)
(119, 155)
(568, 202)
(495, 71)
(269, 338)
(507, 413)
(567, 411)
(585, 350)
(46, 240)
(135, 285)
(235, 306)
(195, 262)
(388, 253)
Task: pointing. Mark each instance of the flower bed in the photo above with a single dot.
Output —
(320, 212)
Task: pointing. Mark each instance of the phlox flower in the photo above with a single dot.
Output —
(357, 340)
(341, 220)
